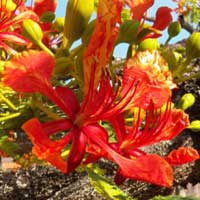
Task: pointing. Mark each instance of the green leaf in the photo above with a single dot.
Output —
(103, 186)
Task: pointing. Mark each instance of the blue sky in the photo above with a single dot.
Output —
(120, 51)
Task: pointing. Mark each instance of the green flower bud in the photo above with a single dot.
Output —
(128, 31)
(193, 46)
(195, 126)
(78, 13)
(186, 101)
(174, 29)
(47, 17)
(149, 44)
(32, 31)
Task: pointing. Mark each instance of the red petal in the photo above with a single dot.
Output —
(42, 6)
(56, 126)
(45, 148)
(29, 72)
(139, 7)
(77, 151)
(163, 18)
(13, 37)
(181, 156)
(167, 126)
(150, 168)
(147, 78)
(68, 99)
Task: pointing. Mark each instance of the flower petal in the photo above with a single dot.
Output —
(56, 126)
(166, 126)
(182, 155)
(44, 147)
(101, 43)
(29, 72)
(139, 7)
(150, 168)
(68, 98)
(13, 37)
(163, 18)
(147, 76)
(42, 6)
(77, 150)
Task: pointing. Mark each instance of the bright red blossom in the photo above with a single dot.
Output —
(145, 86)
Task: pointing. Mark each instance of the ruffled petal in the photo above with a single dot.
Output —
(149, 168)
(44, 147)
(182, 155)
(146, 75)
(29, 71)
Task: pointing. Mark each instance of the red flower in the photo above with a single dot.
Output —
(144, 74)
(8, 18)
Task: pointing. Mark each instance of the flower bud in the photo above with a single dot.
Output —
(195, 126)
(174, 29)
(186, 101)
(32, 31)
(193, 46)
(149, 44)
(78, 13)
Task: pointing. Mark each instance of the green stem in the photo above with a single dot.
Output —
(167, 41)
(8, 102)
(9, 117)
(43, 47)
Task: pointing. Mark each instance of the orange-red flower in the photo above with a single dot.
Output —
(145, 79)
(9, 19)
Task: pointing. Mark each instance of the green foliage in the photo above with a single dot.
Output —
(8, 147)
(194, 14)
(174, 198)
(104, 186)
